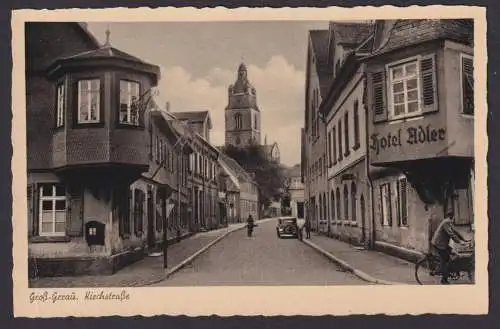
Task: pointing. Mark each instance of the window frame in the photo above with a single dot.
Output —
(60, 117)
(100, 103)
(356, 123)
(129, 82)
(238, 121)
(462, 57)
(53, 198)
(390, 92)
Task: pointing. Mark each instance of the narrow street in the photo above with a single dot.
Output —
(263, 259)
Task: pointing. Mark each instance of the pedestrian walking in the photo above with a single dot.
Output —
(307, 225)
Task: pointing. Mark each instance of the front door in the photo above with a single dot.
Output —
(151, 212)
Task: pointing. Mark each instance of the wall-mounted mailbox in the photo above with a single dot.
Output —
(94, 233)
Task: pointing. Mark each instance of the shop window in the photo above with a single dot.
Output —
(129, 97)
(467, 79)
(402, 199)
(60, 105)
(89, 101)
(385, 205)
(52, 203)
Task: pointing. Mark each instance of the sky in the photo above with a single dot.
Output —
(199, 60)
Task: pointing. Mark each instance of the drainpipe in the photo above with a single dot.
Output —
(367, 168)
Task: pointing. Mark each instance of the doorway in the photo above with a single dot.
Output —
(300, 209)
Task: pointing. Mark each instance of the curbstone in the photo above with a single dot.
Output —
(349, 268)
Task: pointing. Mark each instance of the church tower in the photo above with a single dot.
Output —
(242, 114)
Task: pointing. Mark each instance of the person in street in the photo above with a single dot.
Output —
(307, 226)
(250, 225)
(441, 244)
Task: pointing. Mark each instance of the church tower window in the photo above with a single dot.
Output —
(238, 120)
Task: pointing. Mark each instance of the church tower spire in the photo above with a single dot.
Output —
(242, 115)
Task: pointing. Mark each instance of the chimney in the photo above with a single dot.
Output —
(167, 106)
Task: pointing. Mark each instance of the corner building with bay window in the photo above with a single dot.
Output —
(421, 130)
(87, 142)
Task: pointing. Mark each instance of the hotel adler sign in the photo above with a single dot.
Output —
(409, 140)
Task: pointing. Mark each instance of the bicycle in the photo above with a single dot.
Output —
(461, 264)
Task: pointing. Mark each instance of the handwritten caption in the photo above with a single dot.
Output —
(89, 295)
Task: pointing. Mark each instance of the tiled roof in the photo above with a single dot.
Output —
(406, 32)
(319, 41)
(191, 116)
(235, 167)
(351, 33)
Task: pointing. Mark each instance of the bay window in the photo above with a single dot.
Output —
(89, 96)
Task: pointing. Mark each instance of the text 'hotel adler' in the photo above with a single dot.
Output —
(388, 143)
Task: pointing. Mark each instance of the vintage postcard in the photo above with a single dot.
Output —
(302, 161)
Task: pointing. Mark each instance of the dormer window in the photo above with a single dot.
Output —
(129, 96)
(60, 105)
(89, 96)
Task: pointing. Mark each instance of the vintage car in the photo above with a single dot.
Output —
(287, 227)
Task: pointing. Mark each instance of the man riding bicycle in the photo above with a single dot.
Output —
(441, 244)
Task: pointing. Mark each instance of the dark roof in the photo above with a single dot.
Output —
(351, 33)
(191, 116)
(107, 52)
(407, 32)
(235, 167)
(319, 42)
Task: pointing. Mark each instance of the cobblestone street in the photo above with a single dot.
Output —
(261, 260)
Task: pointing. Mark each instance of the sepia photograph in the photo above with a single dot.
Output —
(244, 153)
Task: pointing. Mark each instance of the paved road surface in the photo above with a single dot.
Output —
(261, 260)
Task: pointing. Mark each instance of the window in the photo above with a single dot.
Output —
(329, 145)
(467, 78)
(385, 204)
(124, 209)
(356, 126)
(332, 206)
(340, 141)
(238, 121)
(89, 96)
(346, 134)
(346, 203)
(129, 95)
(334, 142)
(402, 202)
(255, 122)
(354, 203)
(138, 211)
(339, 215)
(404, 89)
(60, 105)
(52, 210)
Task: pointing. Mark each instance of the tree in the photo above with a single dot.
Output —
(268, 174)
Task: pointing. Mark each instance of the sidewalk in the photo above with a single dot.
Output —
(144, 272)
(370, 265)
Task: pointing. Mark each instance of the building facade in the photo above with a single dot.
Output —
(318, 76)
(87, 142)
(421, 120)
(348, 196)
(296, 191)
(242, 191)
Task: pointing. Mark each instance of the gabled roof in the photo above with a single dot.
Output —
(235, 167)
(351, 33)
(319, 45)
(194, 116)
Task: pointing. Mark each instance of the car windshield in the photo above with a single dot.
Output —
(289, 221)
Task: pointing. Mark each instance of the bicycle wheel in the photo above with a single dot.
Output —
(420, 267)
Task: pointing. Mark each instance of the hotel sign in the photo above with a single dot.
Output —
(410, 142)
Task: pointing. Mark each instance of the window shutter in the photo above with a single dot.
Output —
(32, 210)
(467, 85)
(428, 84)
(74, 212)
(398, 201)
(379, 104)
